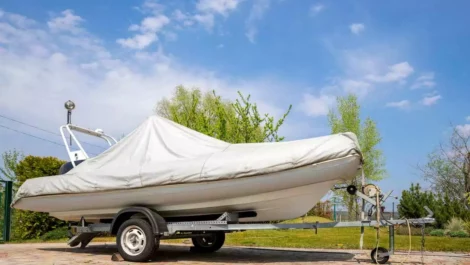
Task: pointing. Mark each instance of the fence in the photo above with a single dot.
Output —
(6, 195)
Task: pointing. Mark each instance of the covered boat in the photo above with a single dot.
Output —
(181, 173)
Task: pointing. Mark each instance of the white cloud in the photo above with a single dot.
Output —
(185, 18)
(316, 8)
(207, 20)
(256, 14)
(430, 100)
(114, 92)
(463, 130)
(170, 35)
(356, 28)
(396, 72)
(425, 80)
(222, 7)
(358, 87)
(399, 104)
(67, 22)
(91, 66)
(315, 106)
(468, 118)
(148, 29)
(205, 13)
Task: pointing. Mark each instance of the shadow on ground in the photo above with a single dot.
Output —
(172, 253)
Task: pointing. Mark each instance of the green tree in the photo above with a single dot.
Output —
(412, 204)
(27, 224)
(347, 118)
(234, 122)
(8, 172)
(10, 161)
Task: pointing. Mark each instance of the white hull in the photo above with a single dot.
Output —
(277, 196)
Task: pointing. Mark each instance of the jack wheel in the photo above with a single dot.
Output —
(351, 189)
(382, 255)
(210, 243)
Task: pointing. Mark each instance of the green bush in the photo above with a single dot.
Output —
(58, 233)
(28, 224)
(455, 225)
(415, 231)
(458, 234)
(467, 227)
(437, 232)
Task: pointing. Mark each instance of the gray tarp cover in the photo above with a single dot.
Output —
(161, 152)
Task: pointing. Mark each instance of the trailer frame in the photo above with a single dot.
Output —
(228, 222)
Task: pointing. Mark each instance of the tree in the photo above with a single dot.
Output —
(27, 224)
(347, 119)
(448, 168)
(10, 161)
(208, 113)
(412, 204)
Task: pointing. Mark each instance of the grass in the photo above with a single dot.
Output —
(327, 238)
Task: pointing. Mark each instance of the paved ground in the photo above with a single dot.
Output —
(100, 253)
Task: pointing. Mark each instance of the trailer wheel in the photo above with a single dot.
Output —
(210, 243)
(382, 255)
(136, 241)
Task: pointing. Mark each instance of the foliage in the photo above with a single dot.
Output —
(347, 119)
(455, 225)
(448, 168)
(58, 233)
(412, 204)
(467, 226)
(458, 234)
(10, 161)
(437, 232)
(415, 231)
(208, 113)
(321, 209)
(27, 224)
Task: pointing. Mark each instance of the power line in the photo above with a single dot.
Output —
(34, 136)
(44, 130)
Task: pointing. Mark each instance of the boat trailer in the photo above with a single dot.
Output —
(139, 230)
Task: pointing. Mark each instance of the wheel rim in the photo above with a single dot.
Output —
(133, 240)
(206, 241)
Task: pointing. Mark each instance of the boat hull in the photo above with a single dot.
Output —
(277, 196)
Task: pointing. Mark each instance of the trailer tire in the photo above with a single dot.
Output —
(210, 243)
(136, 240)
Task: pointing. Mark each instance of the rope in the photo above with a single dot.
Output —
(378, 225)
(409, 238)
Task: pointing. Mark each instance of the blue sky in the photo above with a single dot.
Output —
(406, 60)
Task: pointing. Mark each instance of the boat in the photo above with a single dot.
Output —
(186, 175)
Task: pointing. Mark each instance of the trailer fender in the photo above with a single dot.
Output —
(157, 222)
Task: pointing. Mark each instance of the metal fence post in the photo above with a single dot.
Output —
(391, 239)
(7, 211)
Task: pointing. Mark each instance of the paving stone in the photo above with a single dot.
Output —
(101, 253)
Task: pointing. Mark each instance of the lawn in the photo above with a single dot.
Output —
(328, 238)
